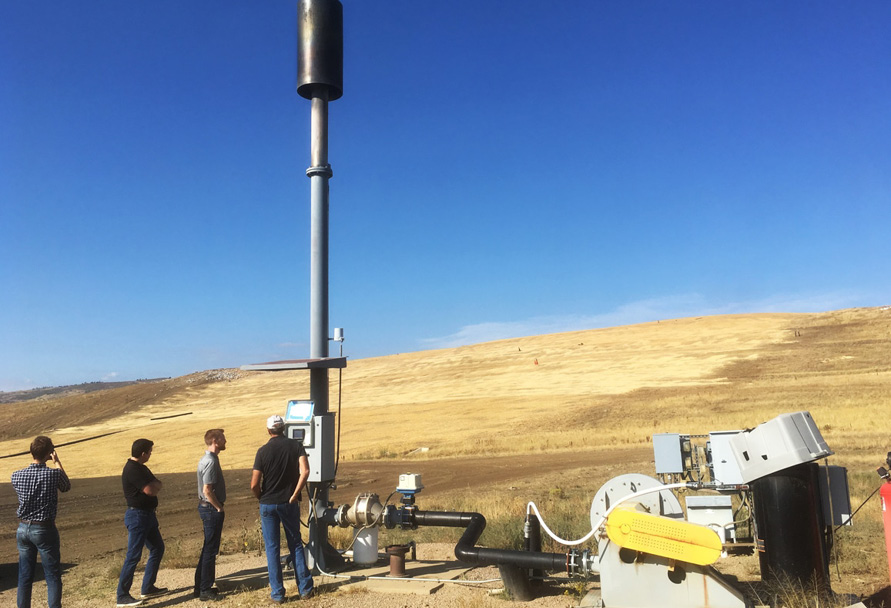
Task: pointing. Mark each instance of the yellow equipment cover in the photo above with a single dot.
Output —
(675, 539)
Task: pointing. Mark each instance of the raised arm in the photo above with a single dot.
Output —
(64, 483)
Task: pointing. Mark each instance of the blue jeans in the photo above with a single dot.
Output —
(288, 516)
(206, 571)
(143, 532)
(31, 540)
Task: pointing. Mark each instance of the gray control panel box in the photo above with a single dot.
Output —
(785, 441)
(317, 435)
(667, 453)
(835, 496)
(725, 471)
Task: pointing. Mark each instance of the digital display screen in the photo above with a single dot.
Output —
(299, 434)
(299, 410)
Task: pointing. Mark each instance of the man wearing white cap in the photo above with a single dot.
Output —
(281, 470)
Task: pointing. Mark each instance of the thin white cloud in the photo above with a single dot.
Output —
(110, 377)
(292, 345)
(670, 307)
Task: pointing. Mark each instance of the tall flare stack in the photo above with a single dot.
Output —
(319, 79)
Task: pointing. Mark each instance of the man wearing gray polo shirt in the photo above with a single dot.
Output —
(211, 496)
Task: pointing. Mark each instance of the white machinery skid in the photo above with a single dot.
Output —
(631, 579)
(636, 579)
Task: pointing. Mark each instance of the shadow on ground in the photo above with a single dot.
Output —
(249, 579)
(9, 575)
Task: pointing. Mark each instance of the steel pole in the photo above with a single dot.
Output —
(319, 174)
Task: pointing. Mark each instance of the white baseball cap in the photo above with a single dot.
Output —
(274, 422)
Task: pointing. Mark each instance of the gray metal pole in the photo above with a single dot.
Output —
(319, 174)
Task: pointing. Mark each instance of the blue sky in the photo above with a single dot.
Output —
(500, 169)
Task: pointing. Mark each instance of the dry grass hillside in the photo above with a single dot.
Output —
(583, 390)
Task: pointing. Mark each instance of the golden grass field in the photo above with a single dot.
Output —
(588, 391)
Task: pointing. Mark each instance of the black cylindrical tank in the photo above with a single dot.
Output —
(320, 52)
(789, 521)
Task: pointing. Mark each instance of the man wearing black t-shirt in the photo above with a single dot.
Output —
(141, 489)
(281, 470)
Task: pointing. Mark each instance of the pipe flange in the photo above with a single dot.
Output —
(391, 517)
(340, 517)
(324, 171)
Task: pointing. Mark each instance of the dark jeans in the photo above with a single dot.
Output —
(143, 532)
(288, 516)
(206, 572)
(31, 540)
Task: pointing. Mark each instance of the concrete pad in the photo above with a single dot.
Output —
(423, 577)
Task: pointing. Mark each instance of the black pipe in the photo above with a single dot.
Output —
(474, 524)
(533, 543)
(516, 581)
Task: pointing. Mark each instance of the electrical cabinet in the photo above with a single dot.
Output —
(667, 453)
(316, 432)
(835, 496)
(725, 470)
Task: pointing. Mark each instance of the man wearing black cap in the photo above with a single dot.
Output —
(281, 470)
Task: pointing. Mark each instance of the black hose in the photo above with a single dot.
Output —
(466, 551)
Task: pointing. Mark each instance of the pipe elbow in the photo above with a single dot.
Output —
(465, 550)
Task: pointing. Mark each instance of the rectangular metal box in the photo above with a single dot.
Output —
(667, 453)
(785, 441)
(725, 470)
(321, 456)
(317, 435)
(716, 512)
(835, 496)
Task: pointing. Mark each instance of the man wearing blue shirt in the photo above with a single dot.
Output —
(38, 488)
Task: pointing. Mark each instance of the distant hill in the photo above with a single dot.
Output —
(46, 392)
(582, 390)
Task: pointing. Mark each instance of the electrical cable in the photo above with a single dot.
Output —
(362, 577)
(531, 507)
(339, 402)
(851, 516)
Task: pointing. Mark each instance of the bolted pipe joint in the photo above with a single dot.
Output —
(340, 517)
(365, 512)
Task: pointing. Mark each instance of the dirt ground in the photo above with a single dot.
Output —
(242, 581)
